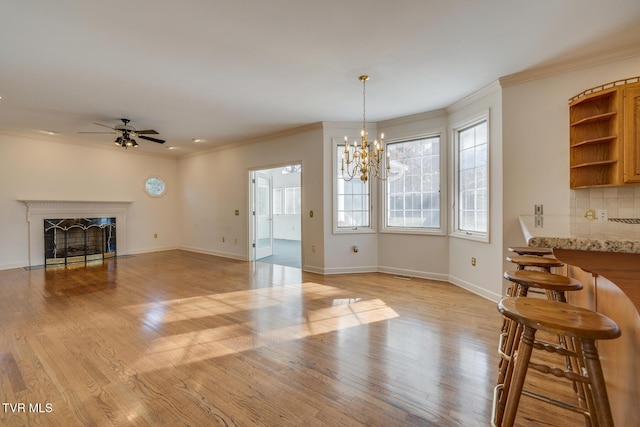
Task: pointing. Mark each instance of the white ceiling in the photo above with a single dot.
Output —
(235, 70)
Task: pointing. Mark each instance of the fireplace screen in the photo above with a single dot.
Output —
(79, 240)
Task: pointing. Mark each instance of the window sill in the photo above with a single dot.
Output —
(415, 231)
(466, 235)
(355, 230)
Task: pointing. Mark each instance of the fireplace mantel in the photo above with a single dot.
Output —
(39, 210)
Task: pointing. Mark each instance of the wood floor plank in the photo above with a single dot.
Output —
(177, 338)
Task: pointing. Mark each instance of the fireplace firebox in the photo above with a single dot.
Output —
(72, 240)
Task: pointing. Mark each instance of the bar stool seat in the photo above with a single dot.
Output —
(555, 284)
(524, 261)
(525, 250)
(584, 327)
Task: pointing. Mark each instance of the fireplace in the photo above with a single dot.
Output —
(84, 230)
(73, 240)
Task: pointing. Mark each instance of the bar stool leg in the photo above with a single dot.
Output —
(598, 387)
(522, 358)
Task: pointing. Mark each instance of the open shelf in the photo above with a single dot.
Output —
(594, 139)
(591, 164)
(602, 140)
(596, 118)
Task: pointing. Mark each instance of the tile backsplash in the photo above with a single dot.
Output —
(619, 202)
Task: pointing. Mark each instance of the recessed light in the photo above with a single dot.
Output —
(172, 148)
(49, 132)
(198, 140)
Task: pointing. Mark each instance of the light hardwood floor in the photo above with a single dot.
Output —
(176, 338)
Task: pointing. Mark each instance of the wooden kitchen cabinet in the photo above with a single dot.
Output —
(631, 106)
(603, 135)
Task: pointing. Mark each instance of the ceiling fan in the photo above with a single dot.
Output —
(126, 134)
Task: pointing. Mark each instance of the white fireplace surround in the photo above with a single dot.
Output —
(39, 210)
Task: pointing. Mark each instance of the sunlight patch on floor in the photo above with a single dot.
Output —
(194, 346)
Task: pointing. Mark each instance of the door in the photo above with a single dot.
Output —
(263, 215)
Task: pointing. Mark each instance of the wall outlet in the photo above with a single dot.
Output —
(473, 261)
(222, 239)
(313, 249)
(602, 215)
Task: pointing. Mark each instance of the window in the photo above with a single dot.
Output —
(471, 207)
(154, 186)
(286, 201)
(352, 208)
(412, 191)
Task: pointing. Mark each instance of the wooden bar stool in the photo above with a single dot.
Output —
(555, 287)
(544, 263)
(584, 327)
(525, 250)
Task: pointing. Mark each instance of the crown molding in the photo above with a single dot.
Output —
(281, 134)
(538, 73)
(434, 114)
(475, 96)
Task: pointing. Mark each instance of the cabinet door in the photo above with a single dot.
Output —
(632, 135)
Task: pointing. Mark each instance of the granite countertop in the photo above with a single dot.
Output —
(565, 232)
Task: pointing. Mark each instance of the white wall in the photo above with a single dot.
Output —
(536, 141)
(485, 278)
(424, 256)
(338, 248)
(215, 184)
(46, 170)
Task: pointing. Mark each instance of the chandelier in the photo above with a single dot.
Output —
(367, 159)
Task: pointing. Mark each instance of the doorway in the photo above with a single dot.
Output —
(276, 212)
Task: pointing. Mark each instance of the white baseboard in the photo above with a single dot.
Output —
(12, 266)
(414, 273)
(349, 270)
(214, 253)
(149, 250)
(491, 296)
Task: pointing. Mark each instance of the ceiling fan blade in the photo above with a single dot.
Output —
(99, 132)
(148, 132)
(148, 138)
(100, 124)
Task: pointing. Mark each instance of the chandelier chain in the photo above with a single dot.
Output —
(364, 103)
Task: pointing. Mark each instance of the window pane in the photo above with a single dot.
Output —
(472, 175)
(413, 187)
(352, 198)
(278, 201)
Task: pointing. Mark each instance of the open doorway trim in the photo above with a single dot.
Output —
(252, 214)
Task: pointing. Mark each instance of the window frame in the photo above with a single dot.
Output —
(456, 231)
(151, 193)
(439, 231)
(339, 143)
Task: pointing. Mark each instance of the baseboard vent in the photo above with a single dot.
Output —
(403, 277)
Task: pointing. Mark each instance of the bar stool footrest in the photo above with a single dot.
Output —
(556, 402)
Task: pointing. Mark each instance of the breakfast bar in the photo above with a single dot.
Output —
(605, 256)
